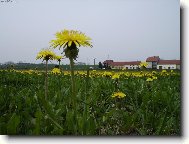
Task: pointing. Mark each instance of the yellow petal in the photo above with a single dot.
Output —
(69, 43)
(77, 45)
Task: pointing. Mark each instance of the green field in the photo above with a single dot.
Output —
(149, 107)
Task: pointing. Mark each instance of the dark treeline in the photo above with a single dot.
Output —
(41, 66)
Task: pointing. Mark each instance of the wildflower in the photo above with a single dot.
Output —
(29, 71)
(154, 72)
(56, 71)
(67, 37)
(66, 73)
(118, 95)
(46, 54)
(70, 40)
(58, 58)
(149, 79)
(124, 68)
(127, 74)
(143, 64)
(153, 77)
(115, 76)
(107, 74)
(163, 71)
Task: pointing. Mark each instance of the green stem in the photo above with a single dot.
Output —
(59, 64)
(74, 105)
(85, 104)
(46, 80)
(73, 82)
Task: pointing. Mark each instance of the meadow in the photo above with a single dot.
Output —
(151, 104)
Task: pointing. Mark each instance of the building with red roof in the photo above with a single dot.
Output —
(122, 65)
(153, 59)
(168, 64)
(154, 62)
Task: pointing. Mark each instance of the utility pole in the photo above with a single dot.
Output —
(87, 61)
(94, 62)
(108, 57)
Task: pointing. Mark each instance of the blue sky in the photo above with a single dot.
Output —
(122, 30)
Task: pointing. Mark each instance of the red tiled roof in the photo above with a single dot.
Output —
(125, 63)
(164, 62)
(153, 59)
(108, 61)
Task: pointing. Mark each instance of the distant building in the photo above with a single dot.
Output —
(168, 64)
(108, 62)
(155, 62)
(122, 65)
(152, 62)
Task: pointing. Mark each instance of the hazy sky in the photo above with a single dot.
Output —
(122, 30)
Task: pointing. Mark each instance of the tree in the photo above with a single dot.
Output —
(100, 65)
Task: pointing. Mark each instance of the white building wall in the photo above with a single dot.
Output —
(149, 65)
(131, 66)
(125, 67)
(172, 66)
(117, 67)
(178, 66)
(136, 66)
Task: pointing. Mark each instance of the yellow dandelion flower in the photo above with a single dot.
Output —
(118, 95)
(143, 64)
(46, 54)
(70, 40)
(154, 72)
(56, 71)
(58, 58)
(66, 38)
(107, 74)
(149, 80)
(163, 71)
(29, 71)
(124, 68)
(154, 77)
(115, 76)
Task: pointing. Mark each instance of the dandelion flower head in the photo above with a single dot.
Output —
(58, 58)
(143, 64)
(115, 76)
(118, 95)
(65, 39)
(46, 54)
(56, 71)
(149, 80)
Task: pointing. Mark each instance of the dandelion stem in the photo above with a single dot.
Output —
(85, 104)
(46, 80)
(73, 93)
(59, 64)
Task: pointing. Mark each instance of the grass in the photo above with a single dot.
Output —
(149, 108)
